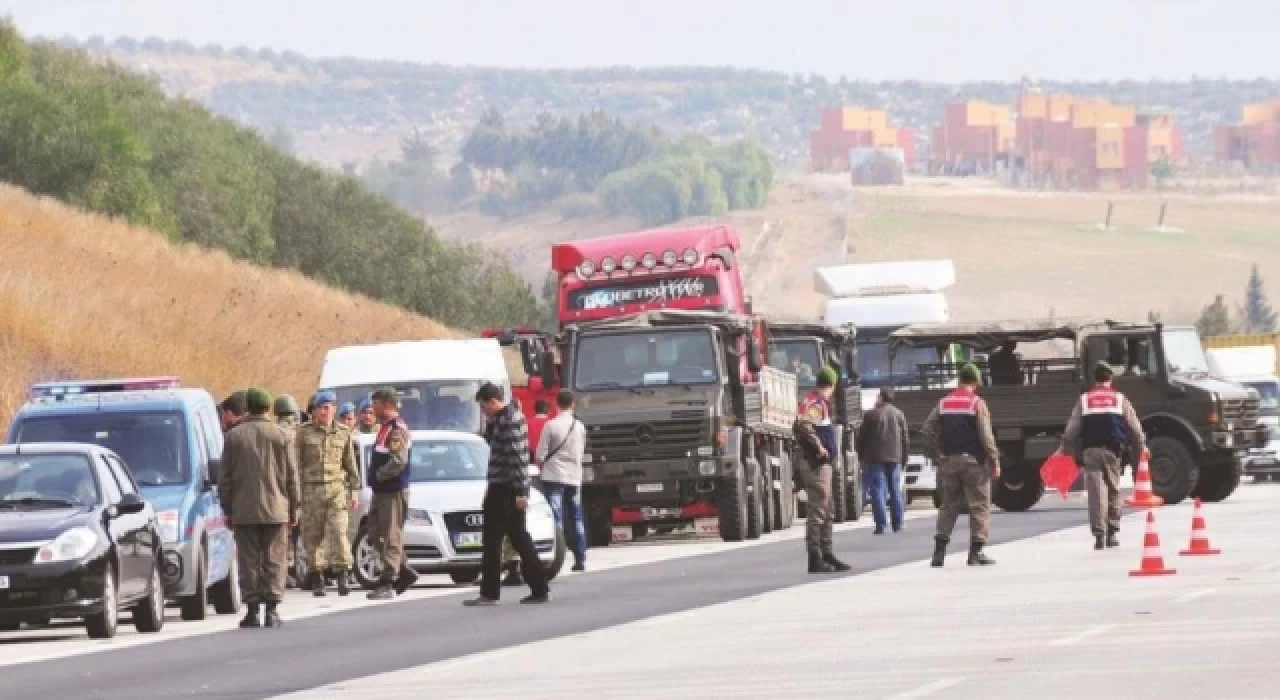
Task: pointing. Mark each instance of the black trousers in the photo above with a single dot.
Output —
(503, 518)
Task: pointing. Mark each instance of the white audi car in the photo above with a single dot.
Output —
(443, 532)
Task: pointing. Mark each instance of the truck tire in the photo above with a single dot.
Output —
(786, 495)
(599, 527)
(731, 508)
(839, 493)
(755, 500)
(1174, 472)
(1018, 489)
(768, 498)
(855, 499)
(1216, 485)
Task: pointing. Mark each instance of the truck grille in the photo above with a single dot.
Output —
(1243, 412)
(669, 439)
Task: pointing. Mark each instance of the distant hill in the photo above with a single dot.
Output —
(343, 109)
(85, 296)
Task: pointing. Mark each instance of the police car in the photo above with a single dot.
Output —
(443, 532)
(171, 440)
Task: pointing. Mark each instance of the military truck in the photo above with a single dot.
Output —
(685, 423)
(804, 349)
(1197, 427)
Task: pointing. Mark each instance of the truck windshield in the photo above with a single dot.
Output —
(800, 357)
(434, 405)
(873, 364)
(1269, 393)
(1183, 352)
(628, 360)
(152, 445)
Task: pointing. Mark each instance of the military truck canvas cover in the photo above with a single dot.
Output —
(990, 334)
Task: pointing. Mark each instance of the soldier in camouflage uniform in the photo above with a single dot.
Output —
(367, 419)
(330, 489)
(285, 410)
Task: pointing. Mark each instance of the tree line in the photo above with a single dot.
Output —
(1253, 315)
(594, 163)
(101, 138)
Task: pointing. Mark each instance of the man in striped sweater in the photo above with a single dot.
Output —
(506, 500)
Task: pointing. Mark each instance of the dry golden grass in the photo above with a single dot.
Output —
(83, 296)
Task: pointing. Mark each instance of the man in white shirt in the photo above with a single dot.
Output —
(559, 453)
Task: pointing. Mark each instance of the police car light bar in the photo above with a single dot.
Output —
(102, 386)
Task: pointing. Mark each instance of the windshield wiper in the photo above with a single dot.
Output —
(614, 385)
(30, 501)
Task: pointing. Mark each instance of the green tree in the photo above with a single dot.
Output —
(1215, 319)
(1258, 315)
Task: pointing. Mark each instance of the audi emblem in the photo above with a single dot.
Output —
(645, 434)
(474, 520)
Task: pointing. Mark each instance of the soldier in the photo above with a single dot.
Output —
(285, 411)
(388, 476)
(347, 415)
(1102, 424)
(958, 438)
(367, 418)
(330, 488)
(817, 437)
(258, 487)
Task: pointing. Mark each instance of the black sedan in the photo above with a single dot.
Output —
(76, 540)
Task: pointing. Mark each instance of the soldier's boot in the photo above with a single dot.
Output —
(318, 585)
(405, 580)
(1112, 541)
(273, 618)
(939, 551)
(977, 557)
(384, 590)
(1099, 541)
(251, 619)
(834, 563)
(817, 565)
(344, 584)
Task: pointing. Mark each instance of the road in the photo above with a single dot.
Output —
(1053, 617)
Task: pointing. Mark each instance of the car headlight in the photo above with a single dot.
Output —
(417, 516)
(73, 544)
(167, 522)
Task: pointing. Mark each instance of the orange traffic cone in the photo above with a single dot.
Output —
(1152, 560)
(1199, 535)
(1143, 496)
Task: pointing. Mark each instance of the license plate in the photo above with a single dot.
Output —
(707, 526)
(468, 540)
(648, 488)
(4, 582)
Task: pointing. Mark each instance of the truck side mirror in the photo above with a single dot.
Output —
(753, 355)
(528, 358)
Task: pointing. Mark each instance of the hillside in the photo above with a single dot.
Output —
(343, 110)
(1016, 253)
(84, 296)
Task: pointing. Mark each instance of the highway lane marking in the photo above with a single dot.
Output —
(1081, 636)
(1194, 595)
(928, 689)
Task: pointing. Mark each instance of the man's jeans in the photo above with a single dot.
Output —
(882, 477)
(562, 496)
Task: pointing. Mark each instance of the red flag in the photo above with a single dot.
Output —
(1060, 472)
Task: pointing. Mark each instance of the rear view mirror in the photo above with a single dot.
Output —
(129, 504)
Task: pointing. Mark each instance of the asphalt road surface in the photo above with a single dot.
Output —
(364, 641)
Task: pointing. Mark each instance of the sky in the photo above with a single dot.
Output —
(931, 40)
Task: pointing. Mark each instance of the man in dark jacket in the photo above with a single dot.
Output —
(389, 476)
(816, 434)
(506, 500)
(882, 447)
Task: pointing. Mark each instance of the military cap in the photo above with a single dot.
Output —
(387, 394)
(285, 405)
(827, 377)
(258, 400)
(325, 397)
(347, 408)
(365, 404)
(969, 373)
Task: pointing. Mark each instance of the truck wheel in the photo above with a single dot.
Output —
(732, 508)
(786, 495)
(1215, 485)
(839, 493)
(1174, 473)
(855, 499)
(755, 499)
(1018, 490)
(767, 497)
(599, 527)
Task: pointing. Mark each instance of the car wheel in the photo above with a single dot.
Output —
(196, 605)
(103, 625)
(367, 566)
(554, 566)
(226, 593)
(465, 576)
(148, 614)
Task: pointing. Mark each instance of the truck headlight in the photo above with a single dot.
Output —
(169, 525)
(588, 474)
(71, 545)
(417, 516)
(707, 467)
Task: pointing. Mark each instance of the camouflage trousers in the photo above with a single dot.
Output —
(324, 526)
(260, 552)
(1102, 480)
(817, 490)
(965, 484)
